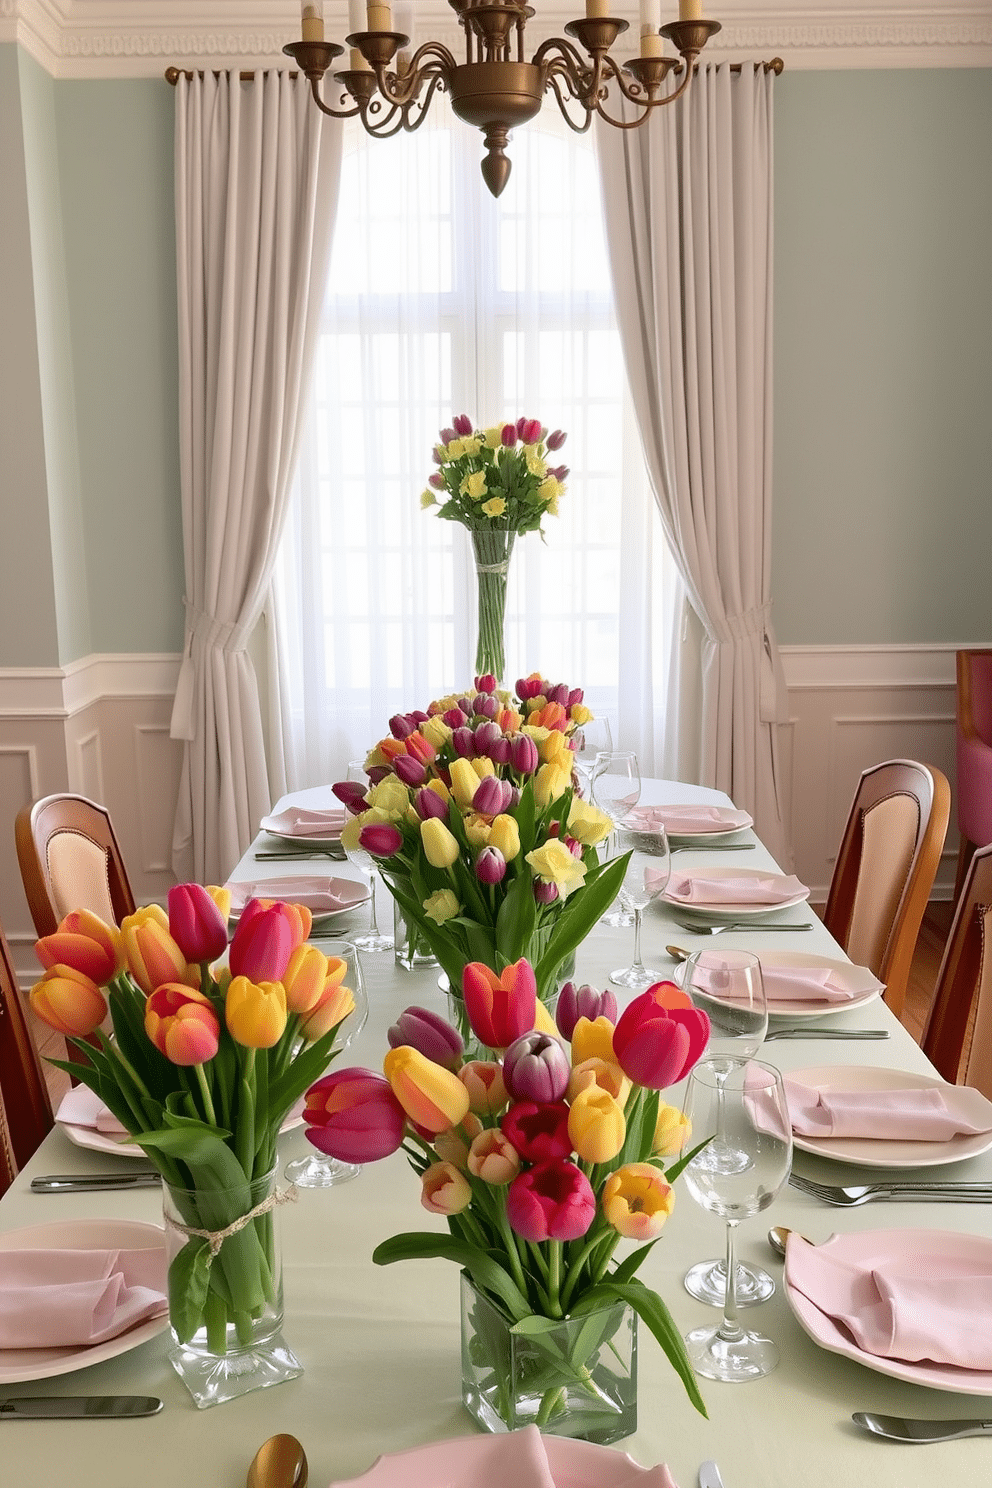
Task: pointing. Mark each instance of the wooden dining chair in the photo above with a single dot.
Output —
(973, 744)
(958, 1035)
(885, 869)
(70, 859)
(25, 1108)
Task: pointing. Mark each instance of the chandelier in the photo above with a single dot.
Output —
(389, 88)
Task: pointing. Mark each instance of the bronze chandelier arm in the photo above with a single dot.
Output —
(562, 99)
(639, 96)
(421, 105)
(325, 108)
(404, 88)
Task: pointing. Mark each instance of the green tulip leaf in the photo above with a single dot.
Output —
(189, 1278)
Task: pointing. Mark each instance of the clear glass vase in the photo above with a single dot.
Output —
(412, 949)
(225, 1310)
(493, 548)
(577, 1377)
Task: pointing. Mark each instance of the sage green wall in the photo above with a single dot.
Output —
(883, 357)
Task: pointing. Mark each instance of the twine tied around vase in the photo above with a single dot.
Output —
(217, 1237)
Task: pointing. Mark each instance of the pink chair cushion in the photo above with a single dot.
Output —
(981, 696)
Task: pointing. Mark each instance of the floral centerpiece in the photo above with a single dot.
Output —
(497, 482)
(204, 1063)
(477, 831)
(543, 1156)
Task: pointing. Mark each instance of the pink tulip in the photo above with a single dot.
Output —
(492, 796)
(486, 735)
(196, 924)
(508, 435)
(352, 793)
(382, 839)
(87, 944)
(410, 770)
(486, 683)
(490, 866)
(529, 687)
(463, 743)
(536, 1068)
(659, 1036)
(447, 435)
(556, 440)
(455, 718)
(436, 479)
(463, 424)
(484, 705)
(430, 1033)
(353, 1115)
(500, 1008)
(545, 892)
(583, 1002)
(531, 431)
(182, 1024)
(263, 942)
(401, 724)
(524, 757)
(428, 804)
(444, 1190)
(538, 1130)
(553, 1201)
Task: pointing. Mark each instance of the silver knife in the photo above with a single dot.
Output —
(827, 1033)
(906, 1429)
(709, 1475)
(70, 1407)
(92, 1182)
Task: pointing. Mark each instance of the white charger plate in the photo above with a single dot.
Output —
(863, 983)
(573, 1464)
(97, 1141)
(729, 821)
(301, 840)
(716, 914)
(876, 1247)
(20, 1365)
(869, 1152)
(334, 896)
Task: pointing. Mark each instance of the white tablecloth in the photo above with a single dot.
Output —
(381, 1346)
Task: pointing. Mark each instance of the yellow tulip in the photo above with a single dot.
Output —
(543, 1021)
(477, 830)
(441, 905)
(430, 1095)
(304, 978)
(637, 1201)
(587, 824)
(601, 1072)
(596, 1125)
(440, 847)
(671, 1132)
(437, 733)
(483, 766)
(592, 1041)
(255, 1012)
(464, 782)
(390, 796)
(555, 863)
(550, 782)
(505, 835)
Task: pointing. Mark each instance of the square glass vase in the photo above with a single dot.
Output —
(577, 1377)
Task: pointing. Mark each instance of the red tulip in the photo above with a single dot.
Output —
(196, 924)
(381, 839)
(553, 1201)
(500, 1008)
(660, 1036)
(263, 942)
(354, 1116)
(539, 1132)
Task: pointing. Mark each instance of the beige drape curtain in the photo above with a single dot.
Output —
(688, 200)
(257, 169)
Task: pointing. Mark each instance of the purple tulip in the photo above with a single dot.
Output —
(419, 716)
(352, 793)
(381, 839)
(379, 772)
(557, 439)
(523, 754)
(536, 1068)
(409, 770)
(455, 718)
(575, 696)
(486, 735)
(427, 803)
(491, 797)
(560, 473)
(401, 725)
(431, 1034)
(582, 1002)
(490, 866)
(447, 435)
(484, 705)
(508, 435)
(499, 750)
(463, 743)
(485, 683)
(463, 424)
(544, 892)
(436, 479)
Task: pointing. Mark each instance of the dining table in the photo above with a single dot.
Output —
(380, 1345)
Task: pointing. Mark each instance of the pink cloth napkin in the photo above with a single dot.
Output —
(71, 1298)
(320, 895)
(299, 821)
(902, 1114)
(686, 819)
(81, 1106)
(921, 1306)
(734, 888)
(781, 983)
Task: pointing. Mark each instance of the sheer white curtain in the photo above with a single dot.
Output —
(442, 300)
(689, 211)
(256, 176)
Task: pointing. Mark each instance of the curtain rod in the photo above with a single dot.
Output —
(173, 74)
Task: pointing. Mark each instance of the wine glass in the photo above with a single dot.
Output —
(646, 877)
(744, 1109)
(319, 1170)
(729, 988)
(616, 790)
(590, 740)
(374, 939)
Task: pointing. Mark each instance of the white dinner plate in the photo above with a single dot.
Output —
(727, 820)
(868, 1152)
(324, 897)
(300, 840)
(86, 1135)
(20, 1365)
(862, 983)
(877, 1247)
(715, 914)
(463, 1459)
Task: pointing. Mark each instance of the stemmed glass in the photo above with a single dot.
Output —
(646, 877)
(591, 740)
(616, 790)
(744, 1110)
(374, 939)
(319, 1170)
(729, 988)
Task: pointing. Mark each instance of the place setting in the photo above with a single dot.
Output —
(693, 824)
(713, 897)
(304, 831)
(326, 898)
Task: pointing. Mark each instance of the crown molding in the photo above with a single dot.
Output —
(140, 38)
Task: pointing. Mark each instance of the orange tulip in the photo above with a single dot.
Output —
(153, 957)
(430, 1095)
(182, 1024)
(68, 1001)
(304, 978)
(336, 1003)
(85, 942)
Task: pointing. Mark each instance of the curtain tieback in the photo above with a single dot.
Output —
(773, 702)
(209, 634)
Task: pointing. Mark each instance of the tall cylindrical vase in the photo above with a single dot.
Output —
(225, 1289)
(493, 548)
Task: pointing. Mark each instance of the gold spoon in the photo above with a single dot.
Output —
(279, 1462)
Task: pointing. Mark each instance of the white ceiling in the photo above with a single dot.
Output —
(133, 38)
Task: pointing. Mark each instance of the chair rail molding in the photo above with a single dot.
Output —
(135, 38)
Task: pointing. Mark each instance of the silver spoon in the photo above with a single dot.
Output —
(778, 1235)
(279, 1462)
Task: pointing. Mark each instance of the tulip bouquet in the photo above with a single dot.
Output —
(497, 482)
(543, 1156)
(204, 1064)
(472, 818)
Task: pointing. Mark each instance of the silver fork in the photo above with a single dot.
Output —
(714, 847)
(740, 925)
(849, 1197)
